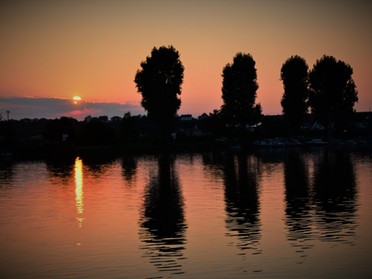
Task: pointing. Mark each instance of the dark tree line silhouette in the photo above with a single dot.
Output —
(159, 82)
(294, 74)
(239, 87)
(332, 92)
(326, 94)
(328, 90)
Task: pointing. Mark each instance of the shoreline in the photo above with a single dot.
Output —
(60, 151)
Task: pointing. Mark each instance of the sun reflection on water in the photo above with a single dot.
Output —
(79, 193)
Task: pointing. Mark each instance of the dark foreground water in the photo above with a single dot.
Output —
(272, 214)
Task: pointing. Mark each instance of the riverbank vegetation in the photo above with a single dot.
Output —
(317, 103)
(136, 134)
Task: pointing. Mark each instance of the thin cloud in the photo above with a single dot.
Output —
(83, 112)
(25, 107)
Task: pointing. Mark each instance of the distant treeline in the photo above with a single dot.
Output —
(327, 90)
(317, 102)
(206, 130)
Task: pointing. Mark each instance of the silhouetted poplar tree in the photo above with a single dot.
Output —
(239, 88)
(294, 74)
(332, 92)
(159, 81)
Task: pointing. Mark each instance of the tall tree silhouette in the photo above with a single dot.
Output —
(239, 88)
(159, 81)
(333, 92)
(294, 74)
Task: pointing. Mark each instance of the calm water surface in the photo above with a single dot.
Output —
(271, 214)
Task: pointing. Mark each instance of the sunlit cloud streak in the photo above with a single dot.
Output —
(50, 108)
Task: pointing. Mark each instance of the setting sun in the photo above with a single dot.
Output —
(76, 99)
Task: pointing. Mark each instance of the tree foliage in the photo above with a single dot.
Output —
(57, 127)
(159, 81)
(333, 92)
(239, 88)
(97, 131)
(294, 74)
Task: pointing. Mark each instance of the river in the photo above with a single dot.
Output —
(272, 213)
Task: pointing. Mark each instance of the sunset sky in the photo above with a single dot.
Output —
(92, 49)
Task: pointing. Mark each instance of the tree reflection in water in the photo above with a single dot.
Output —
(324, 209)
(297, 197)
(162, 228)
(60, 169)
(6, 173)
(129, 167)
(98, 165)
(241, 199)
(335, 196)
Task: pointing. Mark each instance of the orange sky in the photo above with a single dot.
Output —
(93, 48)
